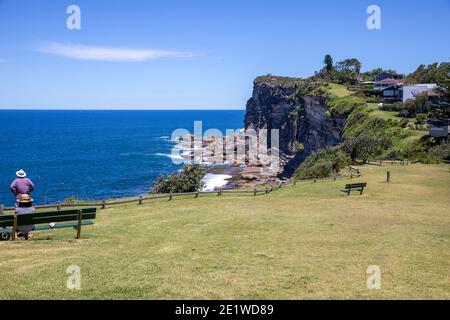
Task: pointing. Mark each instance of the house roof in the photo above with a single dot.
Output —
(391, 75)
(428, 94)
(394, 86)
(384, 73)
(389, 81)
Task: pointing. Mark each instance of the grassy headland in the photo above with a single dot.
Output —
(302, 242)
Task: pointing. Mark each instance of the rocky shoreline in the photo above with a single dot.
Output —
(237, 172)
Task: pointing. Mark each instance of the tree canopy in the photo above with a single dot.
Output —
(328, 61)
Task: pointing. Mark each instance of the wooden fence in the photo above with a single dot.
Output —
(354, 173)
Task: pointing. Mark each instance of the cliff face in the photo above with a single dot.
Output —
(302, 120)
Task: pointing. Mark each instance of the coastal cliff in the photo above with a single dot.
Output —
(302, 119)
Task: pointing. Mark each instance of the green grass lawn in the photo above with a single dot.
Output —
(391, 115)
(385, 115)
(302, 242)
(338, 90)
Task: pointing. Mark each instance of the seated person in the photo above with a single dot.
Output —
(21, 185)
(24, 206)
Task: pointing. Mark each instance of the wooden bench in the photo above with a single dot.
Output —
(354, 187)
(47, 221)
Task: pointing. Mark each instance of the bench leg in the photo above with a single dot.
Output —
(348, 193)
(361, 191)
(79, 224)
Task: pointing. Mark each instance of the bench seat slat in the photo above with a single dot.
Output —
(355, 185)
(6, 217)
(6, 223)
(61, 213)
(63, 225)
(32, 219)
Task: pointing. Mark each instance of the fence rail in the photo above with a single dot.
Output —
(140, 200)
(392, 162)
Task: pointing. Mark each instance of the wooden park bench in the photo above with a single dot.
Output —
(354, 187)
(47, 221)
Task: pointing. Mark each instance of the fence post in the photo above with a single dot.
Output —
(196, 195)
(295, 182)
(254, 192)
(334, 178)
(103, 204)
(219, 193)
(170, 197)
(388, 177)
(58, 207)
(315, 180)
(2, 210)
(267, 189)
(140, 200)
(79, 215)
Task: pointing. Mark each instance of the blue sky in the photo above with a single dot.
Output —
(198, 53)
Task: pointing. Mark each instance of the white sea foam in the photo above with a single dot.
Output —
(168, 139)
(171, 156)
(213, 181)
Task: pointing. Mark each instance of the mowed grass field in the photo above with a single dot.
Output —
(303, 242)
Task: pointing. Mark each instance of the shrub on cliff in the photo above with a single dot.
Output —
(187, 180)
(344, 105)
(428, 150)
(322, 164)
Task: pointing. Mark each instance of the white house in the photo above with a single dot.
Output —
(411, 92)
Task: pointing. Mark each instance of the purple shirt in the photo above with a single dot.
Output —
(21, 186)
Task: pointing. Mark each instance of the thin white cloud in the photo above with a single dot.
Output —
(82, 52)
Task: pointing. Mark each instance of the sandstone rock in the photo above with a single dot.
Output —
(300, 120)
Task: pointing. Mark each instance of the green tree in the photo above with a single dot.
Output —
(433, 73)
(347, 70)
(328, 61)
(362, 147)
(189, 179)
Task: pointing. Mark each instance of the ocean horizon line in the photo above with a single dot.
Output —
(232, 108)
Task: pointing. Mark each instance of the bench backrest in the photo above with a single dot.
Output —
(355, 185)
(47, 217)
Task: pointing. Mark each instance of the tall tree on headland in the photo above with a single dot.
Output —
(328, 61)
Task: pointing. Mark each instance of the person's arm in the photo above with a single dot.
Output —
(31, 185)
(13, 187)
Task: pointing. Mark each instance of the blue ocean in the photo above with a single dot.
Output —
(94, 154)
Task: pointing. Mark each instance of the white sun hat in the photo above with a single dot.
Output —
(21, 174)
